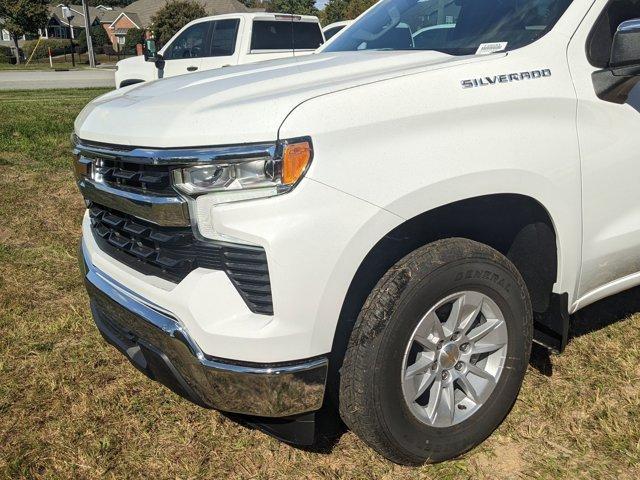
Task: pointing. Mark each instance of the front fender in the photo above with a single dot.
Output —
(414, 143)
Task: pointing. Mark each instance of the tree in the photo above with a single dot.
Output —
(99, 37)
(335, 11)
(297, 7)
(23, 16)
(109, 3)
(134, 37)
(173, 16)
(356, 7)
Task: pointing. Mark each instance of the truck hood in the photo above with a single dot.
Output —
(242, 104)
(136, 61)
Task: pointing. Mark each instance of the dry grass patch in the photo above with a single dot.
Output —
(72, 407)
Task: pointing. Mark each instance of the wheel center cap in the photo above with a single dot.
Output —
(449, 355)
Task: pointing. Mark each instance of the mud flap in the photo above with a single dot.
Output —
(551, 328)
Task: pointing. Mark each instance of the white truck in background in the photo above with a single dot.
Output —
(223, 41)
(330, 30)
(381, 229)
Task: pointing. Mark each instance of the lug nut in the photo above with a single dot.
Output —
(464, 347)
(434, 366)
(455, 336)
(445, 375)
(459, 366)
(440, 344)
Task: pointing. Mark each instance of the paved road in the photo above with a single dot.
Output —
(52, 79)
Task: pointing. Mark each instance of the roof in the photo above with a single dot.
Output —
(103, 14)
(109, 16)
(146, 9)
(131, 16)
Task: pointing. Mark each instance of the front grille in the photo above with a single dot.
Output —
(172, 252)
(135, 176)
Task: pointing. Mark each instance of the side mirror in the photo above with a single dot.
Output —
(626, 45)
(614, 84)
(159, 62)
(150, 53)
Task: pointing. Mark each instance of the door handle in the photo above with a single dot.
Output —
(192, 69)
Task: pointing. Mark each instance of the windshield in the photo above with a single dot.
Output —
(455, 27)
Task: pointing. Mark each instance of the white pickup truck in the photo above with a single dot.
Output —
(382, 228)
(223, 41)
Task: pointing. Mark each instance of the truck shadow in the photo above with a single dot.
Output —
(595, 317)
(602, 314)
(328, 426)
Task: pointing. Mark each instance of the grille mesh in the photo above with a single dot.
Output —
(137, 176)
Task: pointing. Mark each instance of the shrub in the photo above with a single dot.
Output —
(133, 38)
(58, 47)
(6, 54)
(99, 37)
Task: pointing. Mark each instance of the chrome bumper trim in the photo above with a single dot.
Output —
(157, 344)
(171, 211)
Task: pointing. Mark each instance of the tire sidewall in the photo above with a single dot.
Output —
(483, 275)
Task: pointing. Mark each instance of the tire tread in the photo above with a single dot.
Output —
(356, 411)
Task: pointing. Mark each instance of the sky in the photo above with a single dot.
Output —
(321, 3)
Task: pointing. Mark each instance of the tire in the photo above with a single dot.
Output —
(376, 379)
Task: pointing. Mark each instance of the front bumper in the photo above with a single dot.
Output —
(158, 345)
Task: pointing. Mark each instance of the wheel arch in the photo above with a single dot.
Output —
(130, 81)
(516, 225)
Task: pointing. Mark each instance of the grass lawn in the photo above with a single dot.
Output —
(60, 63)
(7, 67)
(72, 407)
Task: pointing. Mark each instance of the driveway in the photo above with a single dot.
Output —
(30, 79)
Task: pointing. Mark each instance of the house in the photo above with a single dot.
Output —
(5, 37)
(139, 15)
(121, 24)
(60, 27)
(7, 41)
(116, 21)
(146, 9)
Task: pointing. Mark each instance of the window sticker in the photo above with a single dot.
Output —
(487, 48)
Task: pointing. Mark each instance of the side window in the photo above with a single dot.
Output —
(271, 35)
(223, 37)
(189, 44)
(306, 35)
(601, 38)
(331, 32)
(285, 35)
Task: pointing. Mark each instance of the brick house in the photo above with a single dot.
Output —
(146, 9)
(117, 30)
(139, 14)
(116, 21)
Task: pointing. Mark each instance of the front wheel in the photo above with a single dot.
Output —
(438, 353)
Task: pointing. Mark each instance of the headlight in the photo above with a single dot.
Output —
(248, 178)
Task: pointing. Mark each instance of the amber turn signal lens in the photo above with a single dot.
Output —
(295, 159)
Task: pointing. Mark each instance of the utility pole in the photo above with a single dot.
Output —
(66, 12)
(87, 30)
